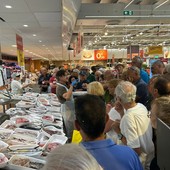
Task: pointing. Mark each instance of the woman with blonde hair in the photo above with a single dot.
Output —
(95, 88)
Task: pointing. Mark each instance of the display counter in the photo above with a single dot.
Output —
(35, 128)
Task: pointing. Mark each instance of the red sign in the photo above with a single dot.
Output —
(100, 55)
(19, 42)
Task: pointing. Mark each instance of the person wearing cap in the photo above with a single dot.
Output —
(16, 86)
(75, 73)
(119, 67)
(82, 84)
(90, 77)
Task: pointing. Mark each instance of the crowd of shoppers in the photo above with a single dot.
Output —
(115, 111)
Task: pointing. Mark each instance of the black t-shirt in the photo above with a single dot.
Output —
(41, 80)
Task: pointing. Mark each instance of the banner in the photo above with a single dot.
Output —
(100, 55)
(20, 53)
(155, 50)
(87, 55)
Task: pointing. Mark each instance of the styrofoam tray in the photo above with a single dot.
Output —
(21, 157)
(27, 132)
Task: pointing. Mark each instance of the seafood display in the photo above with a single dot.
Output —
(35, 127)
(26, 162)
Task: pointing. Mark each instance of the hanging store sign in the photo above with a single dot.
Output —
(132, 51)
(20, 53)
(100, 55)
(87, 55)
(155, 50)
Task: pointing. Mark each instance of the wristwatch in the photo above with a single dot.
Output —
(120, 136)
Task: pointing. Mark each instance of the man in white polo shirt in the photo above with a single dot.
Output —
(135, 127)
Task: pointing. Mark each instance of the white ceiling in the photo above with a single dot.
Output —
(44, 18)
(149, 24)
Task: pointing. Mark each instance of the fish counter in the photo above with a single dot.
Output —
(34, 129)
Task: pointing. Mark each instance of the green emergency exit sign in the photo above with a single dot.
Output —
(127, 12)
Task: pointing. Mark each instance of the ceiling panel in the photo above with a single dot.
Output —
(17, 6)
(44, 5)
(123, 30)
(52, 16)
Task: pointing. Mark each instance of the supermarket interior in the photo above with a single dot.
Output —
(84, 84)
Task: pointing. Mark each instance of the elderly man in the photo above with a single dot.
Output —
(158, 67)
(90, 111)
(97, 75)
(142, 94)
(135, 127)
(43, 79)
(137, 61)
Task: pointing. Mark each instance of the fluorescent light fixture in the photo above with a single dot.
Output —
(130, 16)
(25, 25)
(128, 4)
(146, 25)
(8, 6)
(161, 4)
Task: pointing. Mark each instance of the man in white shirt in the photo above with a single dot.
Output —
(135, 127)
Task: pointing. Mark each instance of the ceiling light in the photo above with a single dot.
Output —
(128, 4)
(40, 41)
(106, 33)
(14, 46)
(129, 16)
(8, 6)
(34, 35)
(141, 33)
(161, 4)
(43, 45)
(25, 25)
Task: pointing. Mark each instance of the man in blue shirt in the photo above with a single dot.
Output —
(90, 112)
(137, 61)
(142, 94)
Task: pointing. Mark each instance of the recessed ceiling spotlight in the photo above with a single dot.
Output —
(34, 35)
(131, 37)
(25, 25)
(8, 6)
(106, 33)
(40, 41)
(141, 33)
(137, 35)
(14, 46)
